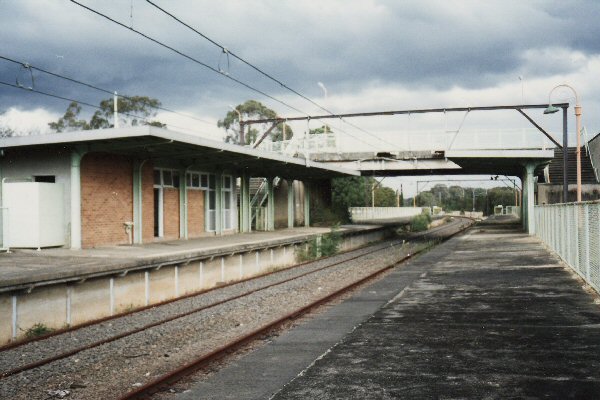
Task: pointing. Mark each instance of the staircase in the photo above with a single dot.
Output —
(555, 168)
(258, 198)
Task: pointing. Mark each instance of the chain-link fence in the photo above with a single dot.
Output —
(573, 231)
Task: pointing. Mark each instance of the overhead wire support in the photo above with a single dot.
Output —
(195, 60)
(229, 52)
(76, 81)
(404, 112)
(259, 70)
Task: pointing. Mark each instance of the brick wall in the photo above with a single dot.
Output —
(106, 199)
(195, 212)
(171, 213)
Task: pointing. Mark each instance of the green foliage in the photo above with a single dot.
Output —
(354, 191)
(36, 330)
(323, 216)
(252, 109)
(133, 111)
(330, 243)
(456, 198)
(321, 130)
(419, 223)
(385, 197)
(70, 121)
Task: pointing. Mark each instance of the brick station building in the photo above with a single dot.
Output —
(140, 184)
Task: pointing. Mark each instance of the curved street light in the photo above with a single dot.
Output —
(551, 110)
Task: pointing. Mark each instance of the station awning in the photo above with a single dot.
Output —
(164, 145)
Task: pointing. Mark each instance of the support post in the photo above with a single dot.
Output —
(183, 204)
(138, 202)
(529, 198)
(290, 198)
(270, 205)
(565, 149)
(219, 203)
(76, 157)
(306, 204)
(245, 202)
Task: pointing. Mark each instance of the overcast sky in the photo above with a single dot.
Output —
(370, 56)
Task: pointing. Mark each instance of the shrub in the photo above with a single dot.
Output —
(419, 223)
(329, 244)
(36, 330)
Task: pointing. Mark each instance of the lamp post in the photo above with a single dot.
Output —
(551, 110)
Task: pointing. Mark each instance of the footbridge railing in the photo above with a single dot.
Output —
(572, 230)
(412, 140)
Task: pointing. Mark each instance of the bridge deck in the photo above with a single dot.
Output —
(489, 314)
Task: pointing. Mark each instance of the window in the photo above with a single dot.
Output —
(227, 194)
(197, 180)
(166, 178)
(45, 178)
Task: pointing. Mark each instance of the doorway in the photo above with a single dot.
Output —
(158, 212)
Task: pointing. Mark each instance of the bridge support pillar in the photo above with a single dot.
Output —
(290, 199)
(528, 199)
(306, 203)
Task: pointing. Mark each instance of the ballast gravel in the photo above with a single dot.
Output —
(112, 369)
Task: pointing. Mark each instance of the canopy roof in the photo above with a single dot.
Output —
(183, 150)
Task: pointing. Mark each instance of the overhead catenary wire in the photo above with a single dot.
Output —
(31, 90)
(89, 85)
(195, 60)
(260, 71)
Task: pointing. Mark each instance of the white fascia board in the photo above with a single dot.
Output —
(542, 154)
(140, 131)
(234, 148)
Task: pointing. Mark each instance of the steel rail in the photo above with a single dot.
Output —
(154, 386)
(113, 338)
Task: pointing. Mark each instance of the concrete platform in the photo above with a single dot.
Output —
(489, 314)
(20, 268)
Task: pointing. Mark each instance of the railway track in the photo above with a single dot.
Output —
(276, 279)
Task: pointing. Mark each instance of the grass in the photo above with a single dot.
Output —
(36, 330)
(326, 245)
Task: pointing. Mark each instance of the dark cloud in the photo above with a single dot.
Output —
(347, 45)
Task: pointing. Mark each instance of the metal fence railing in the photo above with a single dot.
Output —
(572, 230)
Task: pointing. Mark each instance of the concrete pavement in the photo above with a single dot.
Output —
(490, 314)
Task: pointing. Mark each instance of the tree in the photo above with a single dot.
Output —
(354, 191)
(5, 130)
(252, 109)
(320, 131)
(385, 197)
(70, 121)
(133, 111)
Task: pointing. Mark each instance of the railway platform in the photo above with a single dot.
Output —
(487, 314)
(60, 288)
